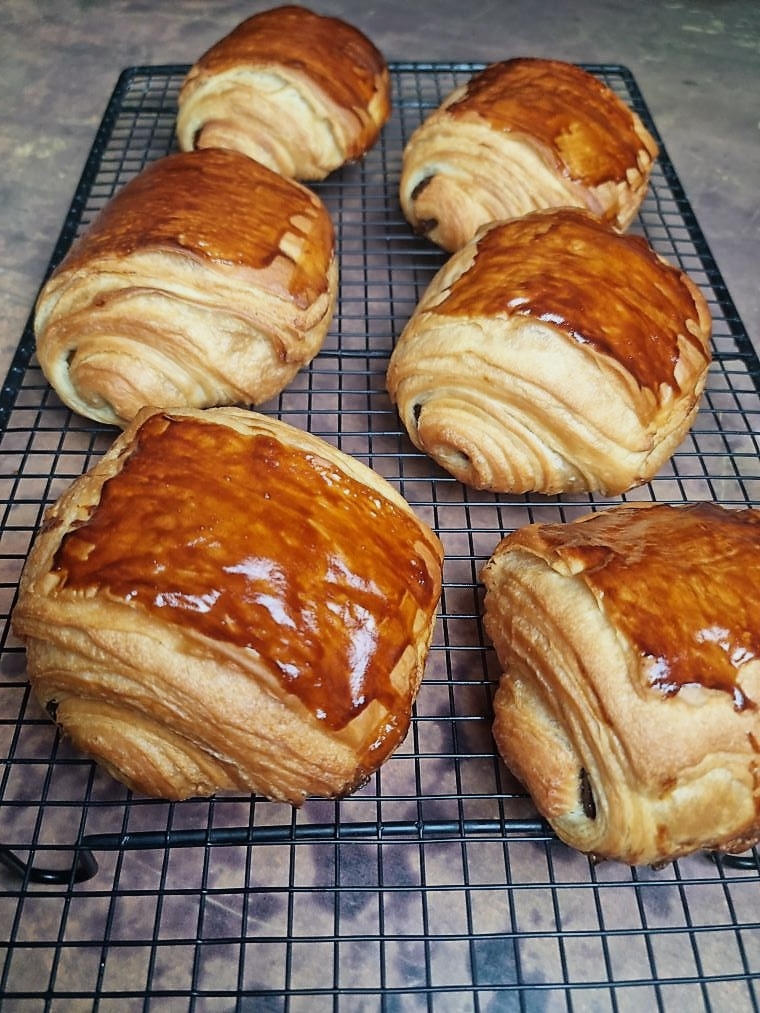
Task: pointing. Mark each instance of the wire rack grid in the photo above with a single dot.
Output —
(435, 887)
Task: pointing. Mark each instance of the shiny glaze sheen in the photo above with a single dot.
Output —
(679, 582)
(217, 205)
(567, 268)
(339, 58)
(577, 119)
(253, 543)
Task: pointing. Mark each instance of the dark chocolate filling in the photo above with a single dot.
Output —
(587, 795)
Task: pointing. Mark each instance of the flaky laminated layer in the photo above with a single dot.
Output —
(522, 135)
(206, 280)
(300, 92)
(552, 354)
(628, 704)
(225, 602)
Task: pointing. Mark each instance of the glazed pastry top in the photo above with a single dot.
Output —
(697, 631)
(566, 268)
(222, 206)
(578, 119)
(295, 559)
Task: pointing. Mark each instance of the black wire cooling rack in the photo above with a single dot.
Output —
(435, 887)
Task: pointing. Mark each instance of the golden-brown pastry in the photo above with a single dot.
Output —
(552, 354)
(299, 92)
(522, 135)
(225, 602)
(206, 280)
(628, 703)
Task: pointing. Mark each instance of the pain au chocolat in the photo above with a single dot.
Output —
(628, 704)
(552, 354)
(227, 603)
(298, 91)
(522, 135)
(206, 280)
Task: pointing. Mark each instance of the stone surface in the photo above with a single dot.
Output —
(698, 67)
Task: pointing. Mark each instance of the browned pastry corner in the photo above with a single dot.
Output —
(522, 135)
(206, 280)
(225, 602)
(628, 703)
(552, 354)
(300, 92)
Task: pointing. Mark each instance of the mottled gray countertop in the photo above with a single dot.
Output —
(697, 64)
(404, 921)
